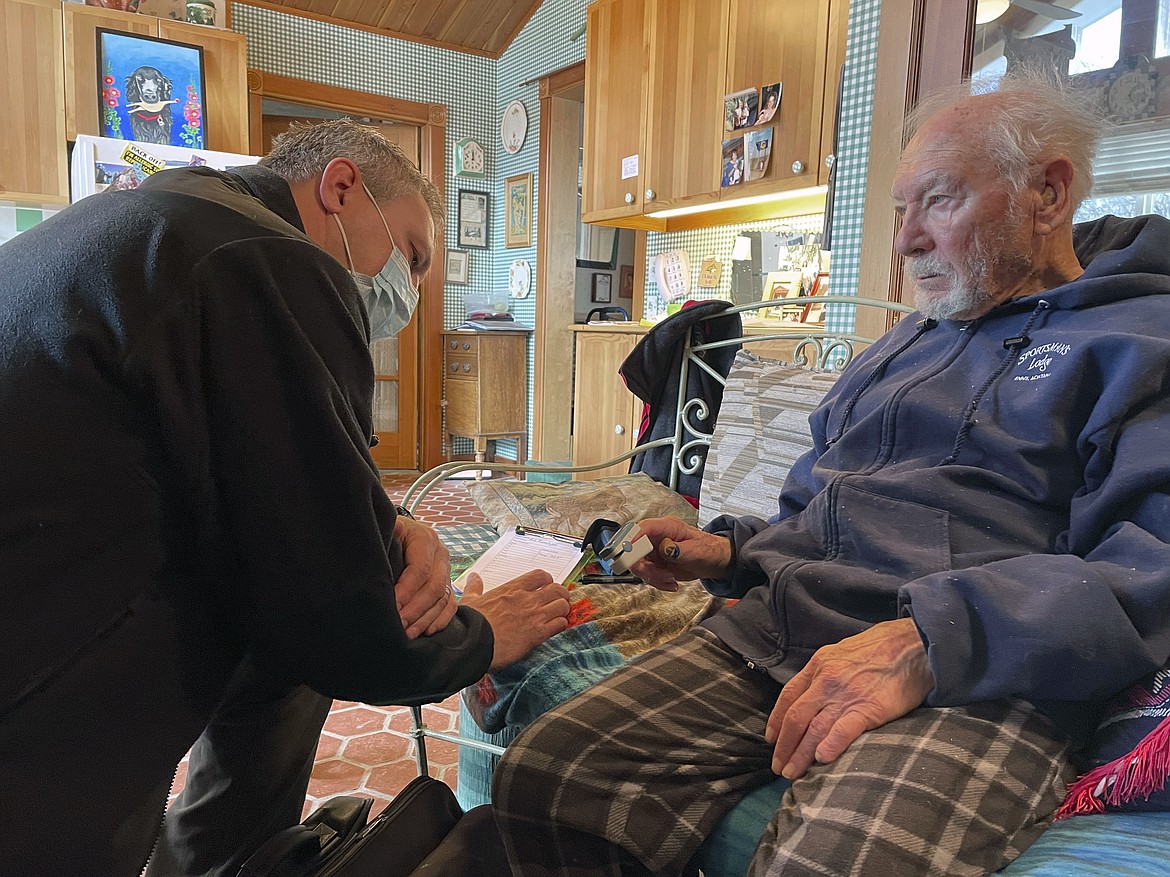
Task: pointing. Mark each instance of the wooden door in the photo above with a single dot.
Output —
(770, 42)
(32, 102)
(396, 392)
(615, 64)
(606, 415)
(688, 56)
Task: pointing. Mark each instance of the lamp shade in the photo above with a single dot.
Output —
(987, 11)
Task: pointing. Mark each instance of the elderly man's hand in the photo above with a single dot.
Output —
(423, 591)
(681, 552)
(846, 689)
(523, 613)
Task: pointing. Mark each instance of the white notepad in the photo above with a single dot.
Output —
(524, 549)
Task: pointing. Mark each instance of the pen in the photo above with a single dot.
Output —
(552, 534)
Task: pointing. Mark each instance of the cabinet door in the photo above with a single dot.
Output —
(225, 72)
(606, 415)
(615, 63)
(32, 102)
(684, 117)
(771, 42)
(834, 59)
(81, 74)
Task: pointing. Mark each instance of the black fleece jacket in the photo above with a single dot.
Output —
(185, 410)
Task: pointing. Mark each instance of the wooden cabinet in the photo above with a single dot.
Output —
(33, 163)
(615, 98)
(486, 387)
(224, 71)
(656, 74)
(606, 415)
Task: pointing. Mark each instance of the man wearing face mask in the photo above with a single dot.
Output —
(208, 556)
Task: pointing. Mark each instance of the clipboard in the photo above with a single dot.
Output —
(522, 550)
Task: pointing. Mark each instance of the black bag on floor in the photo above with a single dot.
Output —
(335, 840)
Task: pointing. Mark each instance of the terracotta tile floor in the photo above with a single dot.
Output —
(367, 750)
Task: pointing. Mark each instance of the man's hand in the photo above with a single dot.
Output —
(423, 591)
(523, 613)
(848, 688)
(681, 552)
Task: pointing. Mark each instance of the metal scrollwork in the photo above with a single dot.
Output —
(842, 349)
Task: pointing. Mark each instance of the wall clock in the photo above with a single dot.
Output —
(514, 127)
(469, 160)
(1130, 95)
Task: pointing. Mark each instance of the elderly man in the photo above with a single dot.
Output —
(191, 518)
(973, 557)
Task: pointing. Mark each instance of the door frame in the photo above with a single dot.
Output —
(431, 120)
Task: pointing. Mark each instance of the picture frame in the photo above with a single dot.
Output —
(814, 313)
(783, 286)
(456, 269)
(626, 285)
(151, 90)
(518, 211)
(474, 207)
(602, 288)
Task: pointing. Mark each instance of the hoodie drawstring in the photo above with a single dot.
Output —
(924, 326)
(1013, 346)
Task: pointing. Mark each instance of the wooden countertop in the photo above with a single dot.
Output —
(611, 326)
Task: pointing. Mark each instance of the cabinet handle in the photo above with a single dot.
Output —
(629, 197)
(467, 368)
(454, 344)
(466, 345)
(650, 196)
(798, 167)
(454, 366)
(830, 160)
(619, 430)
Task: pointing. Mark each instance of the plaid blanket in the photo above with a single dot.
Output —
(609, 625)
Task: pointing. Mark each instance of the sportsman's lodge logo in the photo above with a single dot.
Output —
(1036, 362)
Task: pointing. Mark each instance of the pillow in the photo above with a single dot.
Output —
(761, 431)
(1129, 753)
(572, 506)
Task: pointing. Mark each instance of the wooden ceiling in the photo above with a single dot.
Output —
(481, 27)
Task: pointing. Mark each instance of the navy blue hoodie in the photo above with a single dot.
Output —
(1005, 482)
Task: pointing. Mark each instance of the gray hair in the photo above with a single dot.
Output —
(1037, 116)
(303, 151)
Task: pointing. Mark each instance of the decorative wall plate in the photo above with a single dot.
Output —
(519, 278)
(469, 159)
(514, 127)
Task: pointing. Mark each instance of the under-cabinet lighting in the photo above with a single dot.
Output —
(774, 198)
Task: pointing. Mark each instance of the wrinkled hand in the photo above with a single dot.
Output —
(423, 591)
(848, 688)
(523, 613)
(681, 552)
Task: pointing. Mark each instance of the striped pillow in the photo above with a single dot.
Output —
(761, 431)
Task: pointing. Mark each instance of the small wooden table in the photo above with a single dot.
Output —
(486, 388)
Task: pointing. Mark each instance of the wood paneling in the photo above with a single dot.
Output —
(481, 27)
(32, 102)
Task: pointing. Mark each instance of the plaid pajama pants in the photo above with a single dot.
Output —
(629, 777)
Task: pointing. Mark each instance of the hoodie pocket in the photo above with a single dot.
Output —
(892, 538)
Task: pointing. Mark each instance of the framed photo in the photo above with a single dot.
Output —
(626, 287)
(602, 288)
(814, 312)
(518, 197)
(150, 90)
(472, 218)
(456, 268)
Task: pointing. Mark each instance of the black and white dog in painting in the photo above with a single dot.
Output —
(148, 98)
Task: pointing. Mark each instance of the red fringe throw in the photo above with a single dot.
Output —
(1139, 773)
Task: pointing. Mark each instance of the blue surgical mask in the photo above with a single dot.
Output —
(391, 296)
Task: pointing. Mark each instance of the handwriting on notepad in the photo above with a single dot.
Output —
(517, 553)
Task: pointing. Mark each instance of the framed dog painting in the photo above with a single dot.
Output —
(150, 90)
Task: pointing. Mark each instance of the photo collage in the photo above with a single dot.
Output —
(745, 155)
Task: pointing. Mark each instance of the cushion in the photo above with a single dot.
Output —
(571, 507)
(761, 431)
(1128, 759)
(1106, 845)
